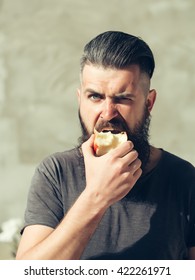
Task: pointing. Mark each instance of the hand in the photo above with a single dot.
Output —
(110, 177)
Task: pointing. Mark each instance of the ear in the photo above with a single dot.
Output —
(79, 95)
(151, 99)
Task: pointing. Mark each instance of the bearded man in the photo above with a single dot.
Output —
(134, 202)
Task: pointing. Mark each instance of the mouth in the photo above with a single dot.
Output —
(114, 127)
(112, 130)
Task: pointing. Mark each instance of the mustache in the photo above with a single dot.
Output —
(114, 124)
(139, 135)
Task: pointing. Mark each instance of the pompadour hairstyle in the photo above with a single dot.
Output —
(115, 49)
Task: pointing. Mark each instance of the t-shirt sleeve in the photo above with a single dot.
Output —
(191, 242)
(187, 179)
(44, 204)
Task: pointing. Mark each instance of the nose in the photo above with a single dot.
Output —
(109, 110)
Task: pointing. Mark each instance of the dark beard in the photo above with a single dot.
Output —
(139, 135)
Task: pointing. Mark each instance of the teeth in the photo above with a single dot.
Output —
(112, 131)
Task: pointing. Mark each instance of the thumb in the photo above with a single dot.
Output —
(87, 146)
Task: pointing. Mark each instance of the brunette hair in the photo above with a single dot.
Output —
(115, 49)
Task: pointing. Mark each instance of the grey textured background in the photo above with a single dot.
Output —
(40, 46)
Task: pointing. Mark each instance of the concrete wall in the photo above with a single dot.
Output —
(40, 46)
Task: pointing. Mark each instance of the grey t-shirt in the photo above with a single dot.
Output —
(156, 219)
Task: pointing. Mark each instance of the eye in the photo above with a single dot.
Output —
(123, 99)
(95, 97)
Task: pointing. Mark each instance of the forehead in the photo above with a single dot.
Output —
(110, 79)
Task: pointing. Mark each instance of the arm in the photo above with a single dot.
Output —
(191, 252)
(70, 238)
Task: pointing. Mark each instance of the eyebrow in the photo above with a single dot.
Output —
(125, 94)
(89, 90)
(117, 95)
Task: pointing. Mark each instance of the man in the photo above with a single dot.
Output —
(136, 201)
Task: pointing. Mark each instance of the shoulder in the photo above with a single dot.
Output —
(58, 166)
(179, 170)
(61, 159)
(58, 172)
(176, 162)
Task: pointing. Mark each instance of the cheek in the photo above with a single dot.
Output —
(89, 109)
(89, 116)
(126, 111)
(88, 112)
(132, 114)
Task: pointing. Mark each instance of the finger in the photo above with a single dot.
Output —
(122, 149)
(137, 174)
(87, 146)
(135, 165)
(130, 157)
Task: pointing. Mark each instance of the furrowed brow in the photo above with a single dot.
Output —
(125, 94)
(92, 91)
